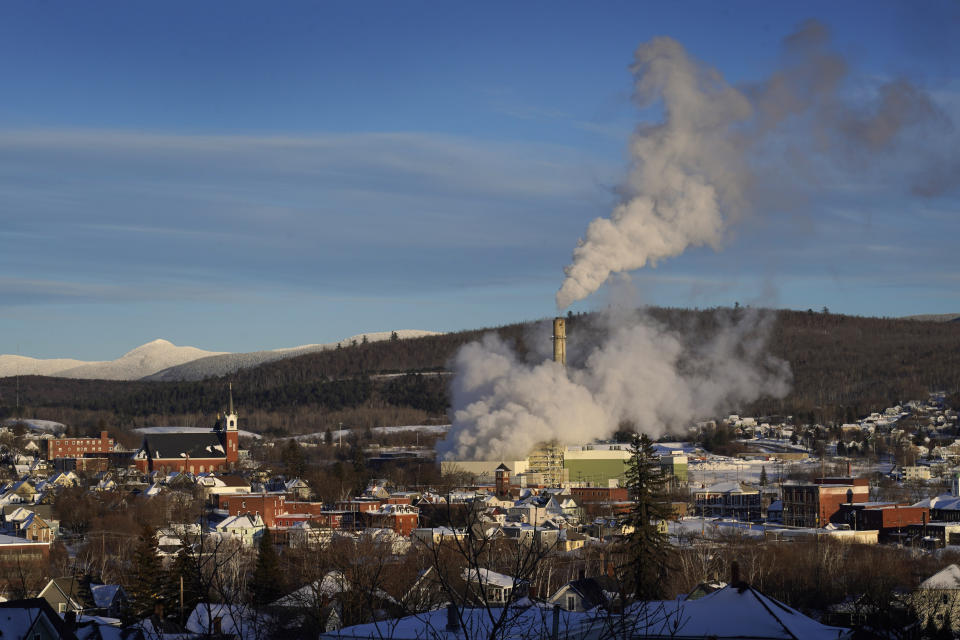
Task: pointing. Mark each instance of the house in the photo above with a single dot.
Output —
(65, 594)
(735, 611)
(298, 489)
(228, 620)
(937, 599)
(32, 619)
(109, 600)
(584, 594)
(37, 529)
(21, 491)
(246, 528)
(492, 588)
(212, 486)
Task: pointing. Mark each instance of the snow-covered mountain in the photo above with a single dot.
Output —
(228, 363)
(162, 360)
(142, 361)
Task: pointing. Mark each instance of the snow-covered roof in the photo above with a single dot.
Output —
(486, 576)
(946, 578)
(104, 594)
(730, 612)
(728, 487)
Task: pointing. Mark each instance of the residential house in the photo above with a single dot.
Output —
(37, 529)
(32, 619)
(246, 528)
(937, 599)
(65, 594)
(491, 588)
(584, 594)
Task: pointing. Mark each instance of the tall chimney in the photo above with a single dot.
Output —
(560, 341)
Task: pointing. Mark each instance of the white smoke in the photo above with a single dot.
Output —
(639, 373)
(691, 174)
(686, 173)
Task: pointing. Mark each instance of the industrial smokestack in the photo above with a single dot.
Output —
(560, 341)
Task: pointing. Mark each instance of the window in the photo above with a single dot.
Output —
(571, 603)
(62, 607)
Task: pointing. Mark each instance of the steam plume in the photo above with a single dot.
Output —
(691, 174)
(638, 372)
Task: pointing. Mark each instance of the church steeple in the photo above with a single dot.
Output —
(231, 416)
(232, 436)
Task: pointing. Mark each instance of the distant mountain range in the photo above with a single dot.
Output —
(163, 360)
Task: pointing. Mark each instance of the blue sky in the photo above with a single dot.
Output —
(237, 176)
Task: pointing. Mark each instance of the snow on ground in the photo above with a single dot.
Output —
(342, 433)
(243, 434)
(46, 426)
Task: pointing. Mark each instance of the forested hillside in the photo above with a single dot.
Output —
(843, 366)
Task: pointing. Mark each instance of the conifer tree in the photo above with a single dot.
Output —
(185, 569)
(267, 581)
(149, 579)
(648, 549)
(763, 476)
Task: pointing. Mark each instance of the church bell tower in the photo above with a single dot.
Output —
(232, 436)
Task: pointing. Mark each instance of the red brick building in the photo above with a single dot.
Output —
(266, 505)
(215, 450)
(599, 494)
(884, 517)
(78, 447)
(818, 504)
(401, 518)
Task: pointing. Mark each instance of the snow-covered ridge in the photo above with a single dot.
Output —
(162, 360)
(137, 363)
(228, 363)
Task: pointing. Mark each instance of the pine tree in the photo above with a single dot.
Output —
(184, 568)
(648, 549)
(149, 579)
(763, 476)
(267, 582)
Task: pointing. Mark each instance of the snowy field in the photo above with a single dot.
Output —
(46, 426)
(343, 433)
(243, 434)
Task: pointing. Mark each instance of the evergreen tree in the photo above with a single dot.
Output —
(293, 460)
(149, 580)
(267, 581)
(648, 550)
(763, 476)
(184, 569)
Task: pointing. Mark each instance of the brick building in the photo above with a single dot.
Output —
(78, 447)
(585, 495)
(401, 518)
(266, 505)
(215, 450)
(818, 504)
(885, 517)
